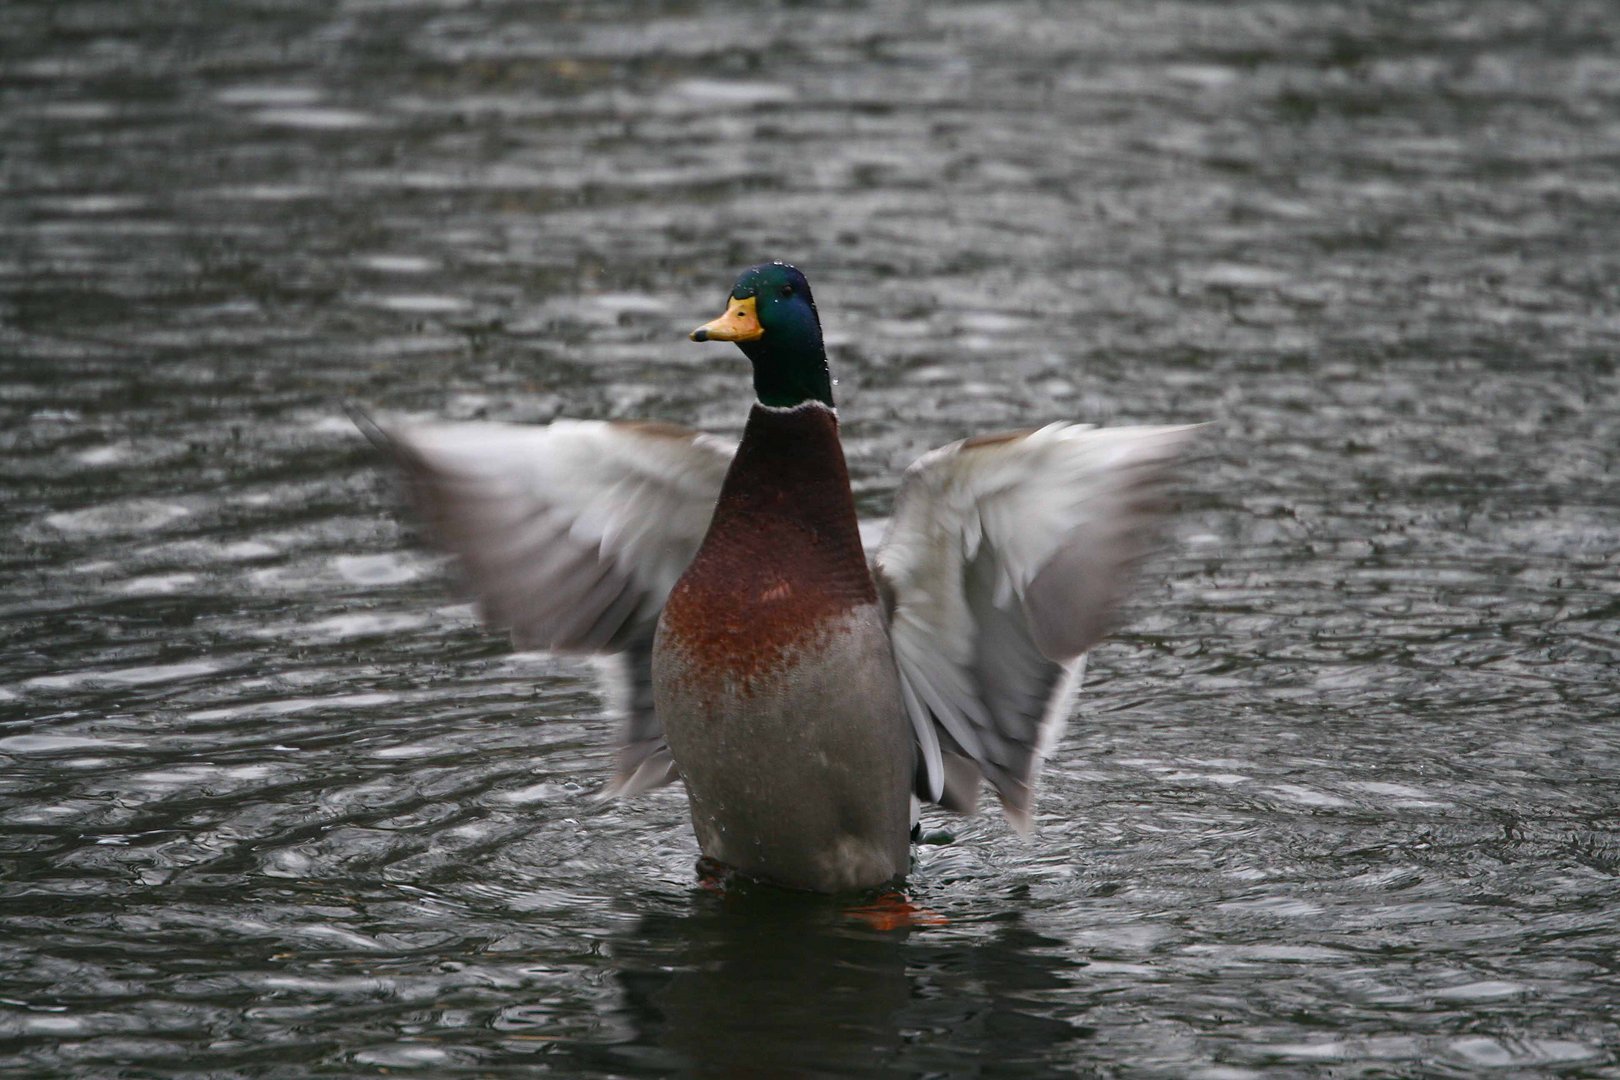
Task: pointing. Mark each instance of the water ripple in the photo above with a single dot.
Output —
(1338, 800)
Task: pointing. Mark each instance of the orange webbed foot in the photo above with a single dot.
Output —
(891, 910)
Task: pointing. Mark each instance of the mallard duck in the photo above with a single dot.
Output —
(801, 694)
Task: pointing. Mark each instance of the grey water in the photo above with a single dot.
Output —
(1341, 799)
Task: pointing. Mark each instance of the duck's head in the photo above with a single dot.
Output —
(771, 316)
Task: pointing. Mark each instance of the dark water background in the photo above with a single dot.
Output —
(1341, 801)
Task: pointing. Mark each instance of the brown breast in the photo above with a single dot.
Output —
(782, 558)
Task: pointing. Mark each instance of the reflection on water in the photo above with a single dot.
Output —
(774, 984)
(1341, 800)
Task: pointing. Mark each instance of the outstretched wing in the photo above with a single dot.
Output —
(1008, 557)
(570, 536)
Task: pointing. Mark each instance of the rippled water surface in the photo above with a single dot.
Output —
(1342, 800)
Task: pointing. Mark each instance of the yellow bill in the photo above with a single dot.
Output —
(739, 323)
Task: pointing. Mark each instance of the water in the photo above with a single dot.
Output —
(1340, 801)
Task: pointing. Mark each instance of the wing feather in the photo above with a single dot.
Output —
(569, 536)
(1007, 558)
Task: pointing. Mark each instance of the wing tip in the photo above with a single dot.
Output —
(374, 432)
(1018, 808)
(656, 770)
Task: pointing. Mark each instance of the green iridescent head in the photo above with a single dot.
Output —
(771, 316)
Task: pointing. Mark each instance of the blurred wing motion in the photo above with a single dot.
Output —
(571, 536)
(1007, 558)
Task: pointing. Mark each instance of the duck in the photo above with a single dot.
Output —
(808, 696)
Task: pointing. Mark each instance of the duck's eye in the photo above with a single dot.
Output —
(787, 291)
